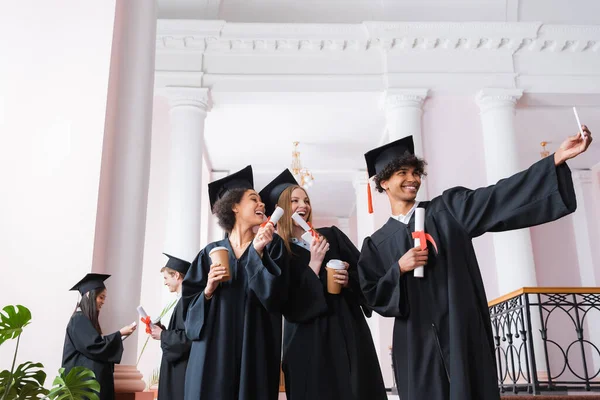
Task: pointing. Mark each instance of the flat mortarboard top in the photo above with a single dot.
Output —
(90, 282)
(270, 194)
(243, 179)
(377, 159)
(177, 264)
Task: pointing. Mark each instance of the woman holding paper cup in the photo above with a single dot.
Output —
(232, 296)
(328, 350)
(85, 346)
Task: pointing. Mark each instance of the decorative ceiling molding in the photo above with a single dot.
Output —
(373, 56)
(219, 36)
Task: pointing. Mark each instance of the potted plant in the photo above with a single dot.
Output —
(26, 381)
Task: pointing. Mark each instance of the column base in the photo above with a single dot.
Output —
(128, 380)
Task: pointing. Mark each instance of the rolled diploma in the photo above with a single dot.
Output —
(419, 272)
(143, 314)
(578, 123)
(277, 214)
(306, 236)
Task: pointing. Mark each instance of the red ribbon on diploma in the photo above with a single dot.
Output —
(147, 321)
(312, 230)
(266, 222)
(424, 238)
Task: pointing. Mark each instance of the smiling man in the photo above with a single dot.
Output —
(442, 344)
(173, 341)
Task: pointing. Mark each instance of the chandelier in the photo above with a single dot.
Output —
(544, 153)
(302, 175)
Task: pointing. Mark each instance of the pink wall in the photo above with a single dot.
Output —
(52, 109)
(453, 147)
(553, 244)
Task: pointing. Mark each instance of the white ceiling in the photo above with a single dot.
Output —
(579, 12)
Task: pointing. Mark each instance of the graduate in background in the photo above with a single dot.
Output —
(85, 346)
(235, 323)
(174, 343)
(442, 345)
(328, 349)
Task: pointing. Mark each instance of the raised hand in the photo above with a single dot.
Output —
(318, 248)
(573, 146)
(263, 237)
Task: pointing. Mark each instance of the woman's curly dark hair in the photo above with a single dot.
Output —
(223, 208)
(407, 160)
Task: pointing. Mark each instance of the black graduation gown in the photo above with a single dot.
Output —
(328, 351)
(442, 345)
(176, 350)
(85, 347)
(236, 335)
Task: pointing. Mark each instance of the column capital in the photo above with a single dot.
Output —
(582, 177)
(405, 98)
(493, 98)
(180, 96)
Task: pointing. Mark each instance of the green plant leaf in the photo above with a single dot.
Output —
(13, 322)
(27, 381)
(79, 384)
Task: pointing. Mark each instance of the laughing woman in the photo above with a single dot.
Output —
(234, 321)
(328, 350)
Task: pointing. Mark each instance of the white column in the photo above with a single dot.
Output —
(189, 107)
(404, 112)
(215, 232)
(343, 223)
(515, 266)
(514, 258)
(379, 326)
(123, 194)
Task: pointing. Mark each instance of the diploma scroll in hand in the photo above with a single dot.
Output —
(581, 132)
(274, 218)
(309, 233)
(419, 272)
(421, 238)
(145, 319)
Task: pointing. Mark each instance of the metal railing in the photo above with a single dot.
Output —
(547, 340)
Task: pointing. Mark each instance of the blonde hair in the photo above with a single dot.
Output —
(285, 226)
(172, 272)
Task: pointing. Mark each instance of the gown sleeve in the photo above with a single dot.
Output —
(350, 254)
(174, 342)
(194, 304)
(542, 193)
(306, 295)
(268, 277)
(91, 344)
(383, 286)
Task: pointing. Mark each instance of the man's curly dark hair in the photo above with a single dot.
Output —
(223, 208)
(407, 160)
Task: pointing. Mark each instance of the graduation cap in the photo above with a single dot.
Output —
(377, 159)
(243, 179)
(90, 282)
(177, 264)
(270, 193)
